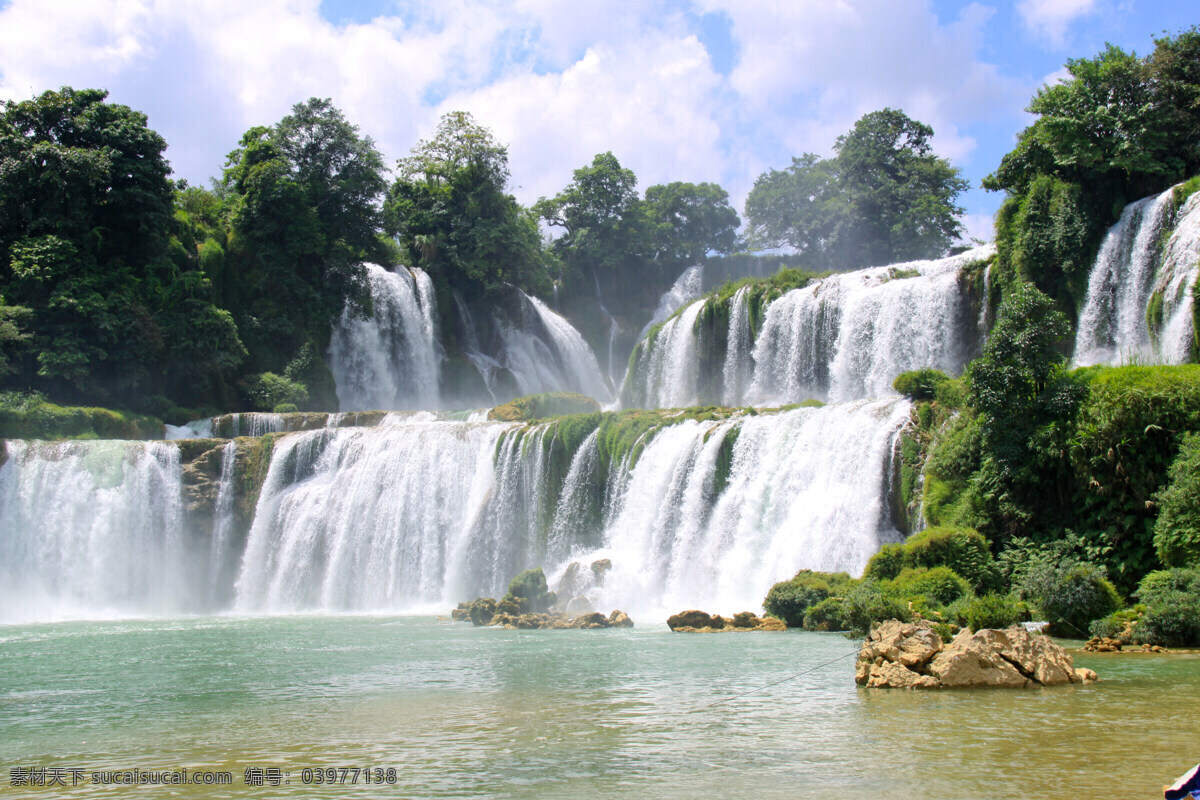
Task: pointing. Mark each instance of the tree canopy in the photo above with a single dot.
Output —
(884, 197)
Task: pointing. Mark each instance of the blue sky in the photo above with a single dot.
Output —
(694, 90)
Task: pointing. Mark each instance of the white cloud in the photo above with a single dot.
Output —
(1050, 19)
(557, 82)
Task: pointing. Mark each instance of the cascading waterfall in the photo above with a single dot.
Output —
(1138, 306)
(391, 360)
(95, 529)
(559, 361)
(423, 513)
(840, 338)
(687, 287)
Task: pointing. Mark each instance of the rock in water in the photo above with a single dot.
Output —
(694, 621)
(911, 655)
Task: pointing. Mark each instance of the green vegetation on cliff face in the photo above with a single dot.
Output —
(31, 417)
(539, 406)
(1118, 129)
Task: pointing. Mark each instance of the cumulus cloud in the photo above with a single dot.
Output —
(1050, 19)
(557, 82)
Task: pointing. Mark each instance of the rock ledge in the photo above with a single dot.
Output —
(911, 655)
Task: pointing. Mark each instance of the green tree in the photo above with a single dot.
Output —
(1026, 401)
(453, 216)
(86, 220)
(1119, 128)
(884, 197)
(302, 202)
(690, 221)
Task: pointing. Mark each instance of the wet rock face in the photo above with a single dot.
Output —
(694, 621)
(911, 655)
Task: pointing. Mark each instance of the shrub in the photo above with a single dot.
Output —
(867, 602)
(886, 564)
(1118, 624)
(920, 384)
(827, 615)
(789, 600)
(1177, 529)
(941, 584)
(285, 408)
(993, 611)
(962, 550)
(1157, 585)
(268, 390)
(1070, 596)
(1171, 621)
(530, 591)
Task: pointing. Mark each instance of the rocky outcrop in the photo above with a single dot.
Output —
(694, 621)
(911, 655)
(486, 611)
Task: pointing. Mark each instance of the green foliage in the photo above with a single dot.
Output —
(29, 416)
(302, 200)
(1070, 595)
(268, 390)
(1118, 624)
(867, 602)
(1159, 585)
(530, 592)
(689, 220)
(540, 406)
(1175, 622)
(1026, 401)
(452, 215)
(993, 611)
(1118, 128)
(285, 408)
(921, 384)
(939, 584)
(961, 550)
(827, 615)
(1177, 529)
(1126, 439)
(885, 197)
(790, 600)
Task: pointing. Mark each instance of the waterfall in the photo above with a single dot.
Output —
(1112, 324)
(1174, 285)
(425, 512)
(687, 287)
(391, 360)
(736, 373)
(1138, 303)
(94, 529)
(839, 338)
(669, 374)
(807, 488)
(542, 352)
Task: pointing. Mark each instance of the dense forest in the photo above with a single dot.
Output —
(122, 288)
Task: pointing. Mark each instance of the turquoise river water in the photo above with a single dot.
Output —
(458, 711)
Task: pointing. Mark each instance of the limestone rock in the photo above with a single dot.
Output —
(694, 621)
(619, 619)
(890, 675)
(969, 663)
(911, 655)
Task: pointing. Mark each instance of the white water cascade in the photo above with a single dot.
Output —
(687, 288)
(94, 529)
(840, 338)
(422, 513)
(1136, 277)
(391, 360)
(547, 354)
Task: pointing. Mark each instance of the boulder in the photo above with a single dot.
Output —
(619, 619)
(912, 655)
(702, 622)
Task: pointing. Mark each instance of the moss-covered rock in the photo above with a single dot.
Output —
(539, 406)
(51, 422)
